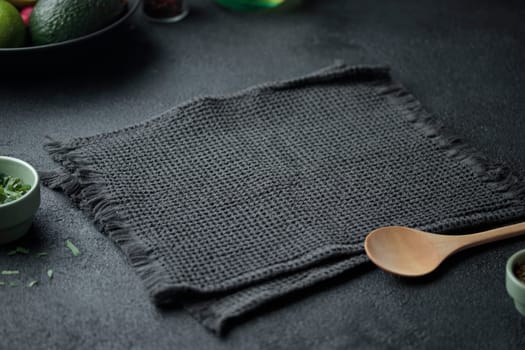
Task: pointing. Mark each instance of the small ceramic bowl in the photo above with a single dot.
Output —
(16, 217)
(515, 287)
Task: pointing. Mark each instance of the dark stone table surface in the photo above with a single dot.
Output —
(463, 59)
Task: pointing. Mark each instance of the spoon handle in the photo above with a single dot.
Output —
(472, 240)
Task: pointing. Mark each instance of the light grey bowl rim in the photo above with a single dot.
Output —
(510, 272)
(34, 185)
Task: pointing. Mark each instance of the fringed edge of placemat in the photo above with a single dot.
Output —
(497, 176)
(84, 186)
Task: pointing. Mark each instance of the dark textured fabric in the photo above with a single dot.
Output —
(224, 203)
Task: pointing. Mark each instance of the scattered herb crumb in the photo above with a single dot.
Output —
(32, 283)
(72, 247)
(50, 273)
(10, 272)
(22, 250)
(19, 250)
(12, 284)
(520, 272)
(41, 254)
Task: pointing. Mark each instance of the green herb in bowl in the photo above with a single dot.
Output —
(19, 198)
(11, 188)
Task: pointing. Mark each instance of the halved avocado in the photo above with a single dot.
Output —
(54, 21)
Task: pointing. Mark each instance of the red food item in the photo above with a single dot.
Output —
(26, 13)
(163, 8)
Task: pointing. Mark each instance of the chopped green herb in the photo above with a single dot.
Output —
(20, 250)
(10, 272)
(72, 247)
(12, 284)
(50, 273)
(11, 188)
(32, 283)
(41, 254)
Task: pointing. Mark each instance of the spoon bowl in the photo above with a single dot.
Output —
(402, 251)
(409, 252)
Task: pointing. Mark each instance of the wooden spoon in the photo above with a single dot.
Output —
(408, 252)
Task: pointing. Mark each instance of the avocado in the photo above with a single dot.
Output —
(53, 21)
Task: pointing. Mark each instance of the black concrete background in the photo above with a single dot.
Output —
(463, 59)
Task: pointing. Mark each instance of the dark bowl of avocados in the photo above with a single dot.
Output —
(132, 6)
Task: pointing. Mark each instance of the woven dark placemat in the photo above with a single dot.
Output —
(224, 203)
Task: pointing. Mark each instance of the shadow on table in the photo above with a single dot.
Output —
(34, 241)
(115, 56)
